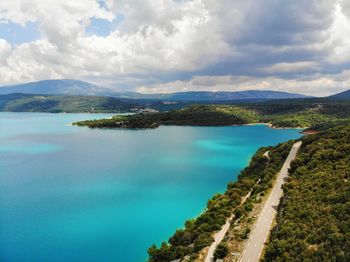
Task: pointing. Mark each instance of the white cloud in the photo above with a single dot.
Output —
(315, 85)
(150, 43)
(339, 40)
(273, 40)
(291, 67)
(5, 49)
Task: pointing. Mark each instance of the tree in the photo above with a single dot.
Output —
(221, 251)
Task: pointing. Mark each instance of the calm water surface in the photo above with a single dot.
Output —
(75, 194)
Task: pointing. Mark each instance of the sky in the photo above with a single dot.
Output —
(157, 46)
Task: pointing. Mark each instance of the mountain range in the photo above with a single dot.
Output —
(342, 95)
(79, 96)
(58, 87)
(81, 88)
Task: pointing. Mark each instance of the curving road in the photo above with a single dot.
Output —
(258, 236)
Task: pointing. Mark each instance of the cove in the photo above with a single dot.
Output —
(78, 194)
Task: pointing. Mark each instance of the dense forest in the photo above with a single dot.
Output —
(287, 113)
(198, 233)
(198, 115)
(313, 222)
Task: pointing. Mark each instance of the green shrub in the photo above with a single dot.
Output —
(221, 251)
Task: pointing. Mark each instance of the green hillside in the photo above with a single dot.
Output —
(68, 104)
(297, 113)
(313, 221)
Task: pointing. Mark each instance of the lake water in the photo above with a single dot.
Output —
(75, 194)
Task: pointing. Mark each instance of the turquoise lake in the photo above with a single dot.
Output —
(75, 194)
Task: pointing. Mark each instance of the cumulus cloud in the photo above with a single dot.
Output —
(314, 85)
(5, 49)
(291, 67)
(205, 41)
(146, 42)
(339, 39)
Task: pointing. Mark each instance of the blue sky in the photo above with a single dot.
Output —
(103, 27)
(17, 34)
(166, 45)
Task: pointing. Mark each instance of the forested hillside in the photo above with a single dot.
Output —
(196, 115)
(313, 221)
(297, 113)
(67, 104)
(301, 112)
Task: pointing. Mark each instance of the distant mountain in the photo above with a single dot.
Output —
(81, 88)
(222, 96)
(60, 86)
(342, 95)
(19, 102)
(70, 104)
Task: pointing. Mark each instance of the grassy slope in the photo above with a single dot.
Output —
(314, 217)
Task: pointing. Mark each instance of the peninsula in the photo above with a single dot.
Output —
(303, 113)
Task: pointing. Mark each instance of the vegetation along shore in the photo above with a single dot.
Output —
(313, 215)
(304, 113)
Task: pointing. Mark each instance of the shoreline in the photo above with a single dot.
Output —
(217, 235)
(190, 125)
(277, 127)
(310, 132)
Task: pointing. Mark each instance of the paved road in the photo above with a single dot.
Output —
(258, 236)
(219, 236)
